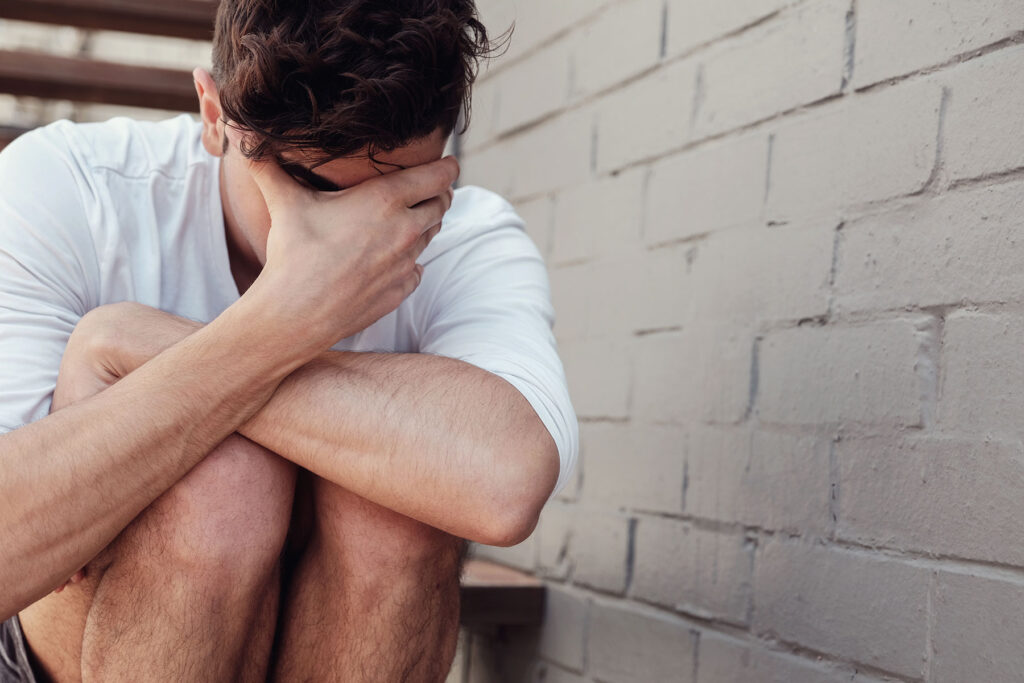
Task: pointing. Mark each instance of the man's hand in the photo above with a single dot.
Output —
(338, 262)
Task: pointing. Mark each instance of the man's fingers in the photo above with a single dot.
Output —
(429, 213)
(274, 183)
(419, 183)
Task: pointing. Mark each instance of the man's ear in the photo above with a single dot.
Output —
(210, 112)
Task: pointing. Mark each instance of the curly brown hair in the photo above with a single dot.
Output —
(332, 77)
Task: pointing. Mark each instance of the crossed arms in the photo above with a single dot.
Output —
(431, 437)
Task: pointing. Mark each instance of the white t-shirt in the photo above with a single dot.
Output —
(93, 214)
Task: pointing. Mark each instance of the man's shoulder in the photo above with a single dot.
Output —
(475, 213)
(125, 146)
(475, 204)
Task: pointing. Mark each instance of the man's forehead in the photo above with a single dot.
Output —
(341, 172)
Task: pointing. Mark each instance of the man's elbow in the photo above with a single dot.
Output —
(516, 510)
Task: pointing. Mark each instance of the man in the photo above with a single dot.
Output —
(235, 493)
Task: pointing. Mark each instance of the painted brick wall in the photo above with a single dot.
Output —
(786, 245)
(784, 240)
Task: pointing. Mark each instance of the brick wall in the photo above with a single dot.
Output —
(784, 239)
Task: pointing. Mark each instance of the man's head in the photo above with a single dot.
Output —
(336, 91)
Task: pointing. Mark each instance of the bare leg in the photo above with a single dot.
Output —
(188, 591)
(375, 597)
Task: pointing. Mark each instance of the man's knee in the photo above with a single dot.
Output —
(228, 517)
(367, 539)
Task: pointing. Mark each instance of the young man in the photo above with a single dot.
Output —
(180, 418)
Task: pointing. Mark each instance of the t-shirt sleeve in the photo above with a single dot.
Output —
(489, 304)
(45, 284)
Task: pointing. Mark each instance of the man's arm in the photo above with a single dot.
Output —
(71, 481)
(434, 438)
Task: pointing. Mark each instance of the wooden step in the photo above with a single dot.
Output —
(494, 595)
(84, 80)
(177, 18)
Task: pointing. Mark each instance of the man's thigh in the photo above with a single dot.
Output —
(233, 507)
(360, 534)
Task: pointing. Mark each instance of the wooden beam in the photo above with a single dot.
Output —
(177, 18)
(499, 596)
(84, 80)
(9, 133)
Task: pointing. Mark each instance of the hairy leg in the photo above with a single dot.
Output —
(374, 597)
(188, 591)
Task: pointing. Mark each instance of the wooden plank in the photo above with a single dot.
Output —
(498, 596)
(179, 18)
(9, 133)
(84, 80)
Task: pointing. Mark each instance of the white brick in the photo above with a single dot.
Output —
(764, 479)
(637, 291)
(536, 21)
(563, 631)
(869, 609)
(555, 535)
(960, 247)
(632, 645)
(694, 22)
(712, 187)
(634, 467)
(599, 377)
(620, 42)
(982, 128)
(646, 118)
(936, 495)
(537, 215)
(602, 217)
(982, 380)
(699, 374)
(795, 59)
(642, 291)
(524, 165)
(978, 629)
(483, 117)
(864, 374)
(895, 38)
(726, 660)
(764, 273)
(691, 570)
(571, 294)
(599, 550)
(860, 149)
(534, 87)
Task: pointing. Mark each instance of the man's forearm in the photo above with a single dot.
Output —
(433, 438)
(73, 480)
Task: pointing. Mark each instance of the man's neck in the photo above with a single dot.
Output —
(245, 266)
